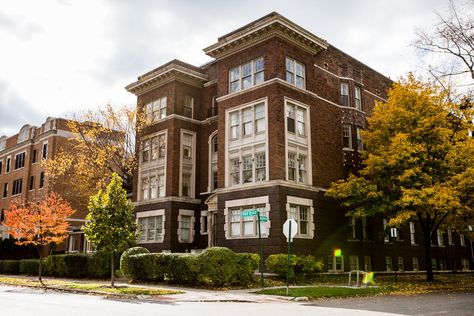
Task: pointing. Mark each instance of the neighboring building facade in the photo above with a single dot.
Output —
(22, 175)
(267, 125)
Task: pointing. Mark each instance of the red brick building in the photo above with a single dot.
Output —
(267, 125)
(22, 175)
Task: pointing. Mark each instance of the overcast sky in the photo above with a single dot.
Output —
(60, 56)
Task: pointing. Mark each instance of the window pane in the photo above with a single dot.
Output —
(235, 74)
(259, 65)
(299, 69)
(299, 82)
(234, 86)
(289, 65)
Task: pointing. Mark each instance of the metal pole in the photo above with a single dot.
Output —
(261, 249)
(288, 271)
(396, 258)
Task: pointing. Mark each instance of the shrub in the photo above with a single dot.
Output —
(29, 266)
(99, 264)
(218, 266)
(180, 268)
(68, 265)
(124, 259)
(141, 267)
(11, 266)
(301, 266)
(247, 263)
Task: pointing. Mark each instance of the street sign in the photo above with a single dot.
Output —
(249, 213)
(263, 219)
(286, 228)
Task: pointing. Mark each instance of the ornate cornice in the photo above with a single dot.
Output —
(164, 75)
(273, 25)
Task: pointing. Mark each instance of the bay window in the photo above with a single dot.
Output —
(155, 110)
(295, 73)
(250, 120)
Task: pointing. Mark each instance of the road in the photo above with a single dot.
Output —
(24, 301)
(453, 304)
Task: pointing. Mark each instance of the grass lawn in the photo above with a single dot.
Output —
(88, 287)
(326, 291)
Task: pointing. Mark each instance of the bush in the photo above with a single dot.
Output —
(29, 266)
(68, 265)
(99, 264)
(141, 267)
(219, 266)
(125, 261)
(247, 263)
(180, 268)
(11, 266)
(301, 266)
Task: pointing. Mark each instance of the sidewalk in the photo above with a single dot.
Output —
(189, 295)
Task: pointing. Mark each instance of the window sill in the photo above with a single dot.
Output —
(348, 149)
(244, 237)
(150, 242)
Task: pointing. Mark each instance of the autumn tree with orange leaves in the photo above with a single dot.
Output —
(41, 222)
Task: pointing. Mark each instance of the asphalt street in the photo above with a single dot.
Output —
(17, 301)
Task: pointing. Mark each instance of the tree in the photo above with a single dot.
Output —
(41, 223)
(451, 39)
(418, 162)
(104, 143)
(110, 224)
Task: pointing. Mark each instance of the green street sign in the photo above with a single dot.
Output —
(249, 213)
(263, 219)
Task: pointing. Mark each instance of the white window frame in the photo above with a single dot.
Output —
(353, 263)
(253, 75)
(439, 235)
(347, 132)
(298, 201)
(157, 166)
(24, 160)
(386, 236)
(190, 214)
(247, 204)
(333, 262)
(400, 264)
(415, 264)
(345, 88)
(213, 161)
(44, 153)
(237, 148)
(293, 75)
(204, 223)
(187, 164)
(150, 214)
(412, 233)
(161, 110)
(388, 264)
(450, 236)
(360, 143)
(188, 103)
(358, 98)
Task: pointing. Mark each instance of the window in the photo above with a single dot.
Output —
(439, 233)
(234, 171)
(17, 186)
(188, 106)
(7, 168)
(154, 148)
(357, 98)
(44, 152)
(252, 118)
(247, 75)
(41, 184)
(20, 161)
(352, 225)
(465, 264)
(388, 264)
(213, 147)
(335, 264)
(367, 264)
(247, 169)
(360, 144)
(295, 73)
(153, 184)
(291, 166)
(251, 169)
(1, 166)
(246, 226)
(462, 240)
(296, 119)
(412, 234)
(74, 243)
(434, 265)
(301, 215)
(450, 236)
(5, 190)
(185, 228)
(186, 185)
(401, 266)
(346, 136)
(35, 156)
(151, 228)
(187, 163)
(31, 185)
(297, 168)
(260, 167)
(156, 110)
(414, 262)
(204, 224)
(353, 263)
(386, 233)
(344, 94)
(365, 235)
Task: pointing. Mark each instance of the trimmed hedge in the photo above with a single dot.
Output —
(29, 266)
(11, 266)
(99, 264)
(124, 259)
(214, 266)
(301, 266)
(69, 265)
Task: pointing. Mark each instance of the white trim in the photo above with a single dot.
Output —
(299, 200)
(247, 202)
(193, 166)
(153, 213)
(204, 216)
(169, 199)
(210, 176)
(189, 213)
(302, 202)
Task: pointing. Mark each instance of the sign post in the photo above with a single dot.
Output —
(394, 235)
(290, 230)
(260, 219)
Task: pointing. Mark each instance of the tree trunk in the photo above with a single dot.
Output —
(40, 268)
(112, 272)
(429, 267)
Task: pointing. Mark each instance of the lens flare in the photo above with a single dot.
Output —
(337, 253)
(368, 278)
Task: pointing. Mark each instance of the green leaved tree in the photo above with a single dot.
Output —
(110, 224)
(418, 162)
